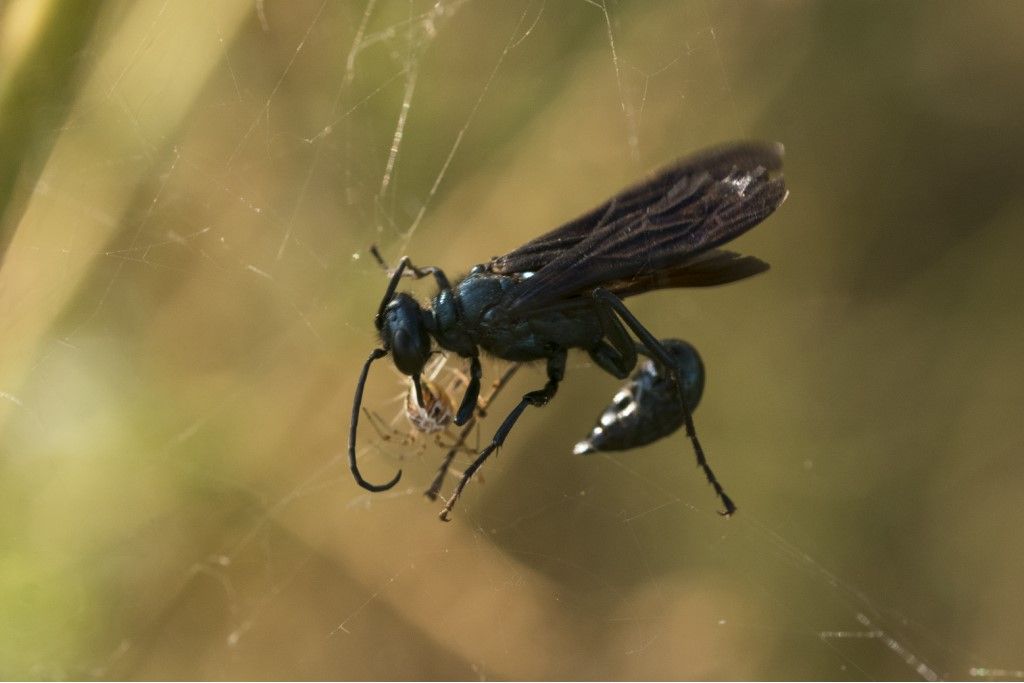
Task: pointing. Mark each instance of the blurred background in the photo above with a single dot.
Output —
(188, 191)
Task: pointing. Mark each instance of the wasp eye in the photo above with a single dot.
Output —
(411, 350)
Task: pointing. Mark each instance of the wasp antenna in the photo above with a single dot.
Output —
(376, 255)
(374, 355)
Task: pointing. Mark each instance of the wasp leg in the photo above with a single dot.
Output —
(439, 276)
(613, 361)
(472, 394)
(459, 445)
(357, 401)
(616, 353)
(413, 271)
(664, 359)
(539, 398)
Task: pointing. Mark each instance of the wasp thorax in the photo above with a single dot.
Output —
(403, 331)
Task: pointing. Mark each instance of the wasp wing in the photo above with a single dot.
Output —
(653, 234)
(713, 267)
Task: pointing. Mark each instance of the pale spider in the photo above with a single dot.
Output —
(436, 415)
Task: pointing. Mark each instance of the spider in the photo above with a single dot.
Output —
(435, 417)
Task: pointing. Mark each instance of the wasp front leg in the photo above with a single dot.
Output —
(538, 398)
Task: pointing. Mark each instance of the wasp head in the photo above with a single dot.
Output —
(403, 331)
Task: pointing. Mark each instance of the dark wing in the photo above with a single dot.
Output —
(660, 233)
(713, 267)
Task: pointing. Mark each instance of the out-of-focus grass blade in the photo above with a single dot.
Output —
(135, 94)
(40, 54)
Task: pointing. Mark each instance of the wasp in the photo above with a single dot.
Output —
(565, 289)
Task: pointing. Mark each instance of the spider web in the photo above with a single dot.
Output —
(198, 296)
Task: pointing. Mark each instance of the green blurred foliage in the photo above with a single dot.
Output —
(187, 298)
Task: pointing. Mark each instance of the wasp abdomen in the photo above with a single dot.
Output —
(647, 407)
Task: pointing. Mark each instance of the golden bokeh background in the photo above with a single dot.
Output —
(187, 194)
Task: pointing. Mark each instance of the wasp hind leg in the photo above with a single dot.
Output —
(613, 304)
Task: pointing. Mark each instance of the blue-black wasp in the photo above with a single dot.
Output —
(565, 289)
